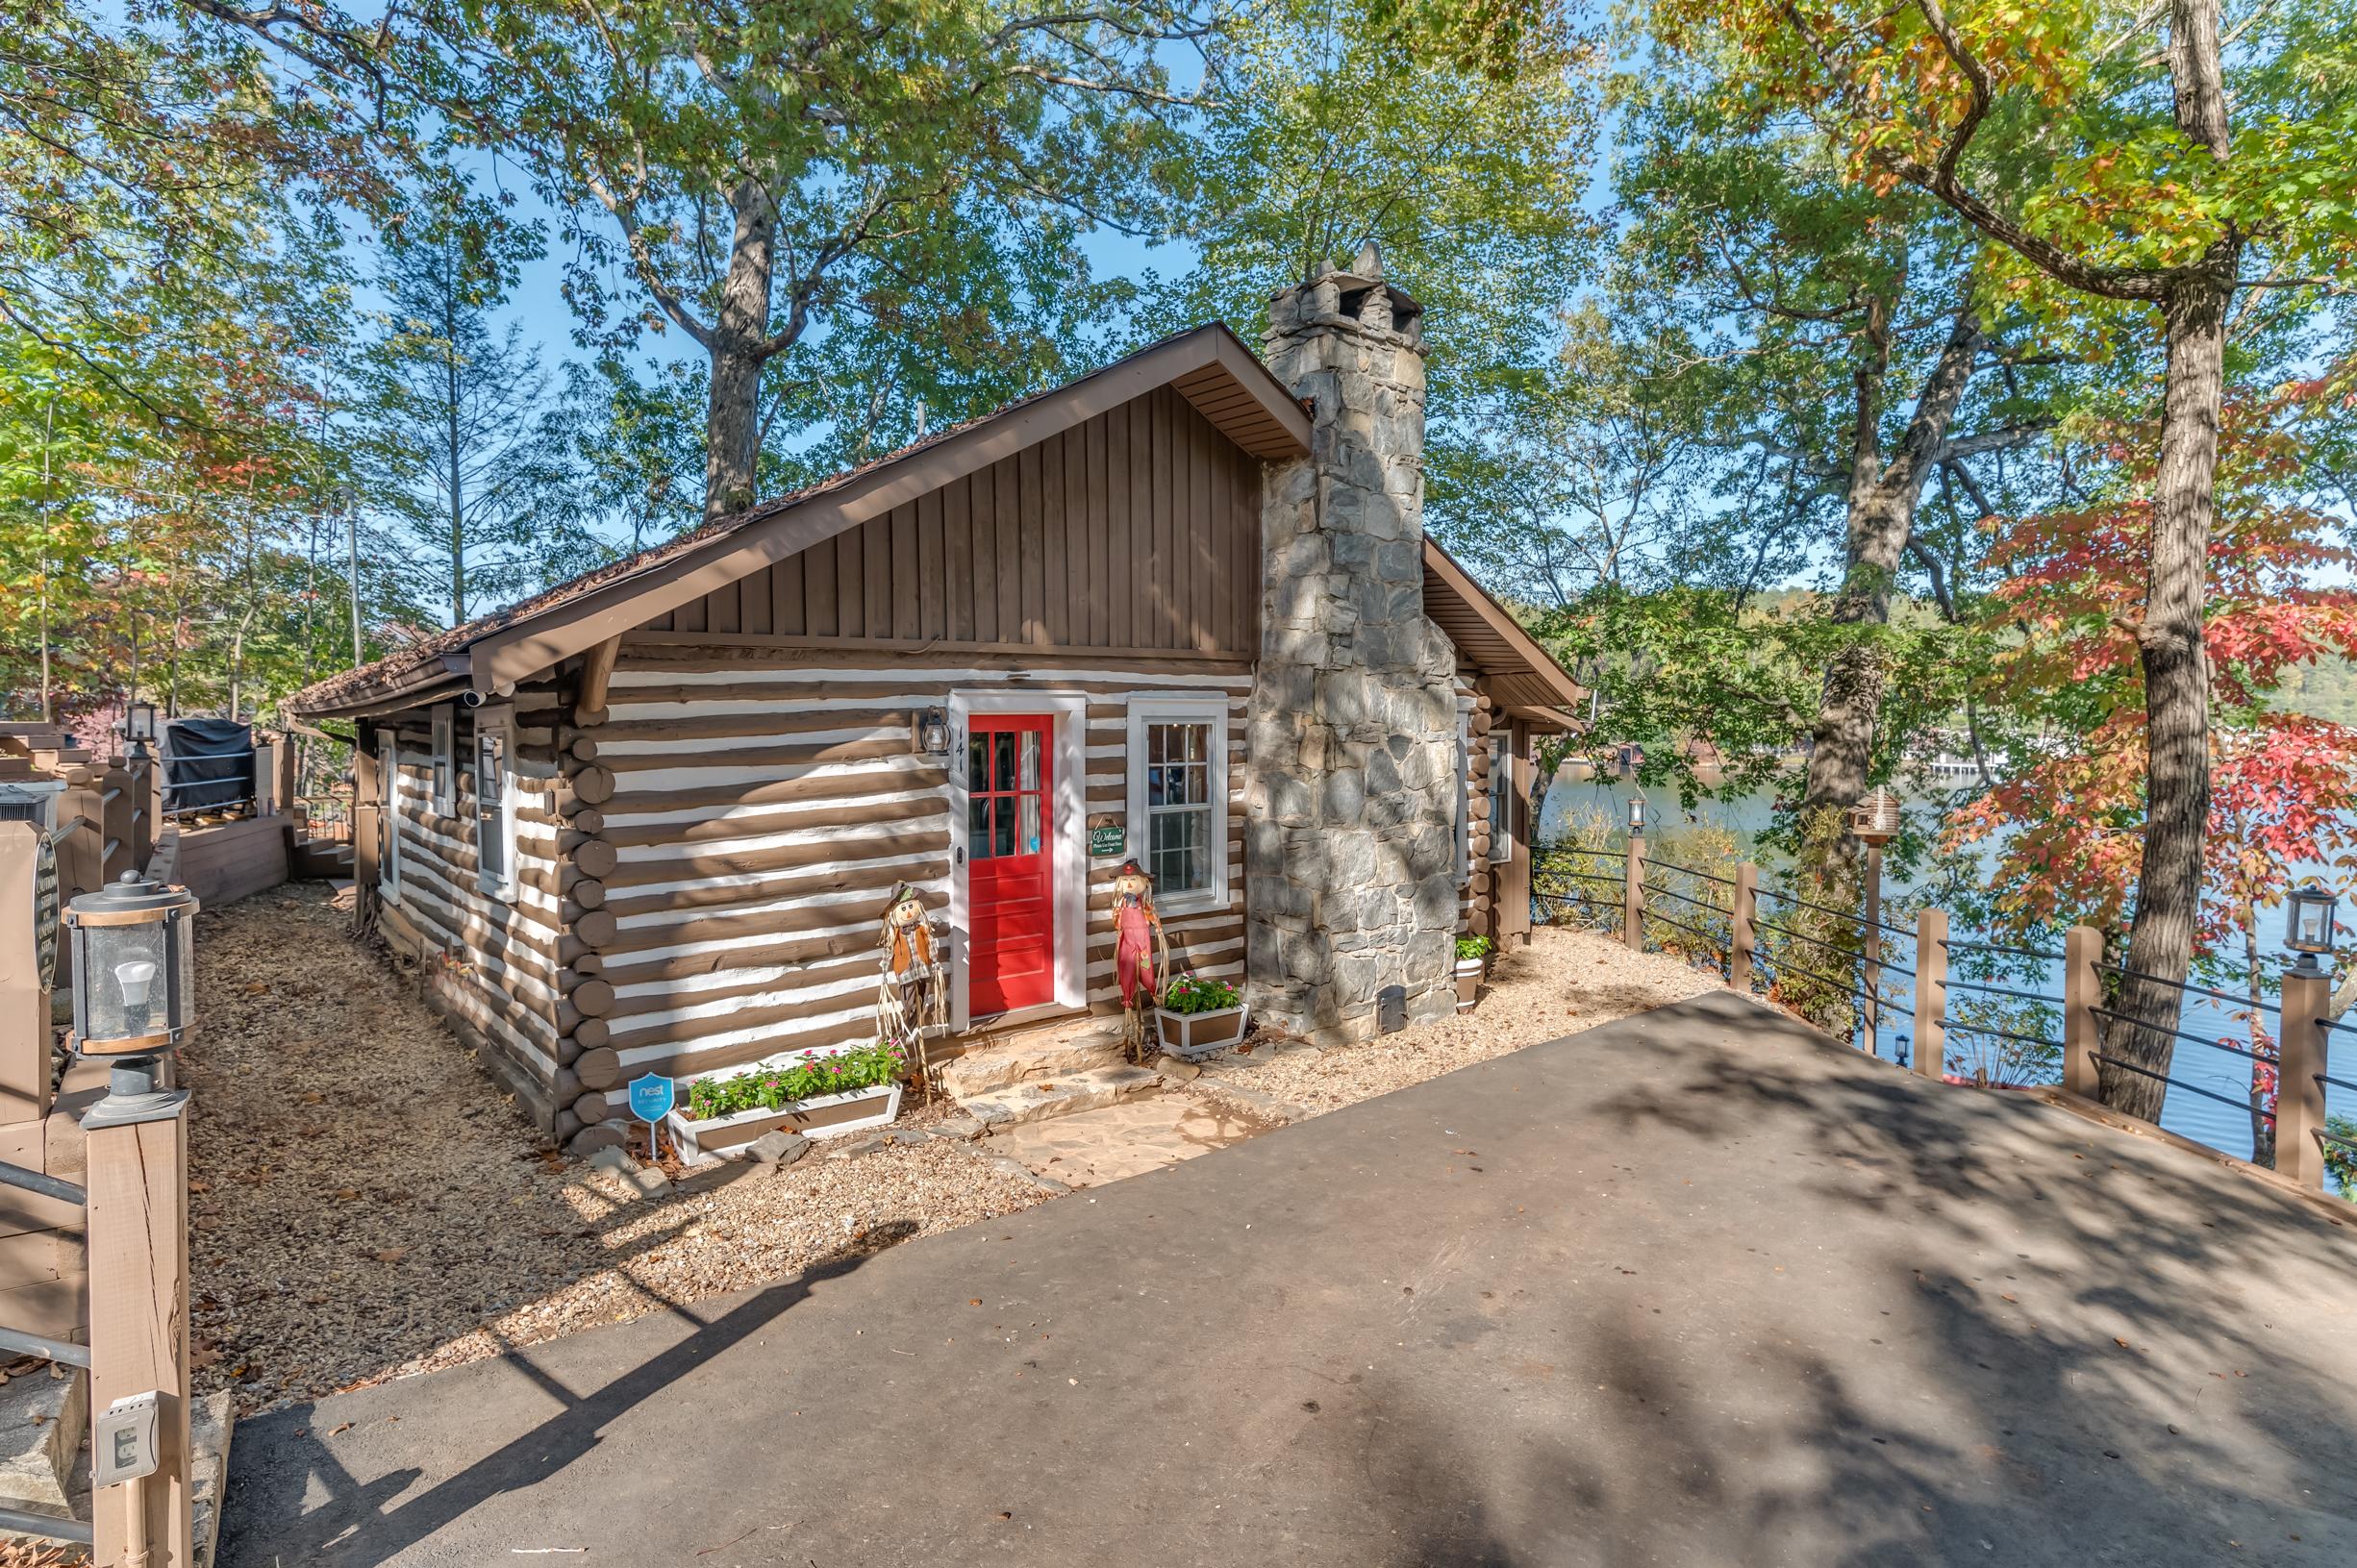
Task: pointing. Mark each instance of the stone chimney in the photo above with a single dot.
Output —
(1350, 852)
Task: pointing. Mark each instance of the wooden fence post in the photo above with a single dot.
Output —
(1742, 938)
(1633, 896)
(2082, 995)
(118, 807)
(2300, 1097)
(1931, 992)
(138, 1263)
(24, 990)
(1869, 947)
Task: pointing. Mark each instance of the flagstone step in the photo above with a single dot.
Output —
(1037, 1099)
(1060, 1051)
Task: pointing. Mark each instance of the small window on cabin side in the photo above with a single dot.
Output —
(445, 762)
(1178, 796)
(1501, 799)
(494, 808)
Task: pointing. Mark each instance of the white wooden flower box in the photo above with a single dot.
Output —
(1188, 1036)
(821, 1116)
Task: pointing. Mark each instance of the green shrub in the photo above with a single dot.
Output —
(772, 1088)
(1474, 947)
(1192, 993)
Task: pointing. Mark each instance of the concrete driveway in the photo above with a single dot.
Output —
(1695, 1287)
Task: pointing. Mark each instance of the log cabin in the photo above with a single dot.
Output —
(1181, 610)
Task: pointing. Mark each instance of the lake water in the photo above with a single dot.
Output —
(2223, 1127)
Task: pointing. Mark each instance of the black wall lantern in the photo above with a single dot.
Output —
(933, 733)
(2308, 924)
(134, 973)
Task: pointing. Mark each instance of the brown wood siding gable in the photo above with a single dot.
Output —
(1138, 531)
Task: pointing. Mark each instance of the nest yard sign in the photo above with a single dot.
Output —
(651, 1097)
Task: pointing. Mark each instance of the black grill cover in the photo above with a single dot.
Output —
(208, 764)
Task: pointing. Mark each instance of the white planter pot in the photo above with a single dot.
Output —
(1468, 982)
(1188, 1036)
(719, 1136)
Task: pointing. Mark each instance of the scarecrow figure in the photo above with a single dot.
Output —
(1140, 953)
(912, 994)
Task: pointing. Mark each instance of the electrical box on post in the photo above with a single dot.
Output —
(123, 1440)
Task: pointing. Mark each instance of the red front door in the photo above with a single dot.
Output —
(1010, 896)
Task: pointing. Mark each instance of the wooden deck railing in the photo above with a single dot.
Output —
(131, 1206)
(1627, 891)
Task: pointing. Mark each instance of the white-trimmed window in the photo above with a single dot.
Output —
(445, 762)
(389, 814)
(1501, 797)
(1178, 799)
(494, 805)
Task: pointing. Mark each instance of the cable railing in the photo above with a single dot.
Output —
(1836, 969)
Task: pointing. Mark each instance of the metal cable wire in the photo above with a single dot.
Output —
(1777, 968)
(1668, 920)
(1954, 1027)
(1688, 898)
(1807, 904)
(2000, 947)
(2159, 1029)
(2243, 1106)
(2336, 1082)
(1803, 937)
(2188, 985)
(2004, 990)
(1690, 871)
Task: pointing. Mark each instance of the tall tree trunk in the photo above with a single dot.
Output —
(2169, 642)
(2176, 694)
(739, 346)
(457, 510)
(1882, 507)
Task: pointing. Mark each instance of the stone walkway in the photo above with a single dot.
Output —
(1093, 1147)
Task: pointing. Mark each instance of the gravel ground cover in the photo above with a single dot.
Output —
(366, 1202)
(1566, 981)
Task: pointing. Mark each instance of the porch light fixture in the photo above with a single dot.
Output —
(1636, 815)
(1875, 819)
(140, 722)
(134, 975)
(2307, 927)
(933, 733)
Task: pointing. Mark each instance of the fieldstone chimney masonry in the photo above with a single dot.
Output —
(1350, 857)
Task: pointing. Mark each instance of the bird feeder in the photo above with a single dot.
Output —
(135, 972)
(1875, 819)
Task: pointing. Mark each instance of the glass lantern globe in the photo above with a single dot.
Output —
(933, 733)
(134, 973)
(1637, 815)
(2308, 922)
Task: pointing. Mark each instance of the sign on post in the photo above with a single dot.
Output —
(651, 1098)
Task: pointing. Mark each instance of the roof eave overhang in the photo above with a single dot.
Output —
(436, 680)
(1527, 660)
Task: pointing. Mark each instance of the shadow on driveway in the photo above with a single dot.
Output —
(1694, 1287)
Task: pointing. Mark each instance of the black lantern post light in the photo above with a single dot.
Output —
(135, 985)
(1633, 886)
(2308, 926)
